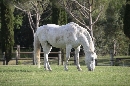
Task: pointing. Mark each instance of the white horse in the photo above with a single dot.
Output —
(66, 36)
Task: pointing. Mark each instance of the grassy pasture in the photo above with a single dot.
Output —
(26, 75)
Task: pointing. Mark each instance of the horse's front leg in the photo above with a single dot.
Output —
(68, 50)
(46, 49)
(77, 57)
(45, 63)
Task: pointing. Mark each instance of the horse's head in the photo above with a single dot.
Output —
(91, 60)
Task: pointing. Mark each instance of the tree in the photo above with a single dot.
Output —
(114, 27)
(59, 15)
(82, 11)
(34, 10)
(0, 24)
(7, 34)
(22, 33)
(127, 19)
(108, 31)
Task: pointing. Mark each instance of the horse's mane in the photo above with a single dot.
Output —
(91, 44)
(87, 34)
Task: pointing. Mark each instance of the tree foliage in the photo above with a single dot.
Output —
(59, 15)
(82, 11)
(33, 9)
(7, 33)
(108, 30)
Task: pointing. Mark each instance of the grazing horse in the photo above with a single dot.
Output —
(66, 36)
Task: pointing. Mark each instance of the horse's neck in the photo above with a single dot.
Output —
(87, 42)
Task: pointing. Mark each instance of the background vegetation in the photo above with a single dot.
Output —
(108, 30)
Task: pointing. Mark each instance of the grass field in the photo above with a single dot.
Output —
(26, 75)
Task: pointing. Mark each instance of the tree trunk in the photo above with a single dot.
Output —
(126, 21)
(129, 50)
(90, 23)
(37, 20)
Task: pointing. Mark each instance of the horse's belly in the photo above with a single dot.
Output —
(63, 44)
(59, 45)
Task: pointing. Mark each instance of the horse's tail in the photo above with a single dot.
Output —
(36, 50)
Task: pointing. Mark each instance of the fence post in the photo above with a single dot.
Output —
(4, 59)
(34, 61)
(111, 57)
(59, 58)
(16, 57)
(18, 49)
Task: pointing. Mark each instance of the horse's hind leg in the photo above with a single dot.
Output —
(46, 49)
(68, 50)
(77, 57)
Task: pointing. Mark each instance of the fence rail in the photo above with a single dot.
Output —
(60, 56)
(17, 57)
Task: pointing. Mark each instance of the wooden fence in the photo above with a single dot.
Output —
(17, 57)
(18, 53)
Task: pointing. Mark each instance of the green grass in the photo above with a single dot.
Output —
(26, 75)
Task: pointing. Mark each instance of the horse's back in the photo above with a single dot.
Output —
(59, 36)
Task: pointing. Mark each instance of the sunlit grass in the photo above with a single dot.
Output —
(30, 75)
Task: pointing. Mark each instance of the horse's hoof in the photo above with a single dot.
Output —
(38, 66)
(79, 69)
(66, 69)
(90, 69)
(50, 69)
(46, 69)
